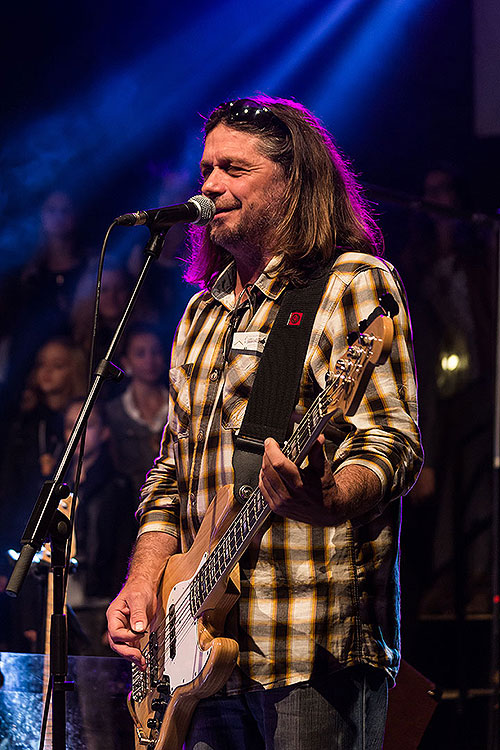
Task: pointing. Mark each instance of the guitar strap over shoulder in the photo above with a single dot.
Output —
(275, 390)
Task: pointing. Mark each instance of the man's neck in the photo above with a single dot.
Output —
(56, 401)
(248, 273)
(143, 391)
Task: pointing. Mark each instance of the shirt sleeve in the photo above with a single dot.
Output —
(383, 434)
(159, 506)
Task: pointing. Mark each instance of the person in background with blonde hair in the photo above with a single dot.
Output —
(35, 443)
(39, 296)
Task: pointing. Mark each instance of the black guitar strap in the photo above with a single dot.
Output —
(275, 391)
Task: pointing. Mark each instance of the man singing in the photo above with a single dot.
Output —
(317, 621)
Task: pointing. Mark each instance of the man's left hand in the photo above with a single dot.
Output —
(306, 495)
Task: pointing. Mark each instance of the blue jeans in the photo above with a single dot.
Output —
(347, 712)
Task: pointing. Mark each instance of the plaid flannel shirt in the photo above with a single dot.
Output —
(313, 599)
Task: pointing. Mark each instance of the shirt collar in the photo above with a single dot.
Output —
(269, 283)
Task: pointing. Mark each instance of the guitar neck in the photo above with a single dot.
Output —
(254, 513)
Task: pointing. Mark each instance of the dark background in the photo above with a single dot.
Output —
(102, 99)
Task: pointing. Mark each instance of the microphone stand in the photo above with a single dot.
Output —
(47, 521)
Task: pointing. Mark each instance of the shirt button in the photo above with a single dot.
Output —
(214, 375)
(201, 435)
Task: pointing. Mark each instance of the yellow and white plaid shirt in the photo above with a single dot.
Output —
(313, 599)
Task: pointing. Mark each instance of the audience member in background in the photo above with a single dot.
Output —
(54, 271)
(105, 529)
(115, 292)
(44, 291)
(448, 269)
(33, 446)
(59, 375)
(136, 418)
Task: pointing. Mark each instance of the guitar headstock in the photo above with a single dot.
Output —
(346, 385)
(353, 370)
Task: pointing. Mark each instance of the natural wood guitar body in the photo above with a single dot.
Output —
(215, 655)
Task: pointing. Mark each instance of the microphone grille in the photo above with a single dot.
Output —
(206, 208)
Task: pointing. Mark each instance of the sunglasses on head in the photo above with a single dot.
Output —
(247, 111)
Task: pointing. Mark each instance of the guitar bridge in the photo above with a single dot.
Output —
(139, 686)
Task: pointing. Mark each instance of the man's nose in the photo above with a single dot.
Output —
(214, 183)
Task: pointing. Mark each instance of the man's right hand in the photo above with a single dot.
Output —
(131, 612)
(128, 617)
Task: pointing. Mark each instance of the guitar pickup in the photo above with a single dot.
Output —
(171, 629)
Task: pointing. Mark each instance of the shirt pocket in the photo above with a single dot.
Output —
(240, 377)
(180, 393)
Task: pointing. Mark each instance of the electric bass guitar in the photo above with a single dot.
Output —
(186, 656)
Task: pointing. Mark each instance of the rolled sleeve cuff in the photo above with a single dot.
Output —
(380, 466)
(159, 519)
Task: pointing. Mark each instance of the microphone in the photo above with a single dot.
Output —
(198, 210)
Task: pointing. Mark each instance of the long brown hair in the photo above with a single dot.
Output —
(325, 209)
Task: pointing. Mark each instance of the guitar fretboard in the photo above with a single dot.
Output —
(255, 511)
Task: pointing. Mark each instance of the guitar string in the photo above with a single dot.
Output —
(183, 611)
(183, 615)
(184, 602)
(184, 618)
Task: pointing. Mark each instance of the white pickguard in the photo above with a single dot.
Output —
(189, 658)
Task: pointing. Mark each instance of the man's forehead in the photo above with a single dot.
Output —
(223, 140)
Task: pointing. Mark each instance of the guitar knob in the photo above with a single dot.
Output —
(153, 724)
(158, 703)
(164, 685)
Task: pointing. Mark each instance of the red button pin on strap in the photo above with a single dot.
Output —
(294, 319)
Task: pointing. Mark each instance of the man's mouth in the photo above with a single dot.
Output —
(221, 210)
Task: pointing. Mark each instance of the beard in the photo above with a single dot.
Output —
(255, 233)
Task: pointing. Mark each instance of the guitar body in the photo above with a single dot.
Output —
(187, 657)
